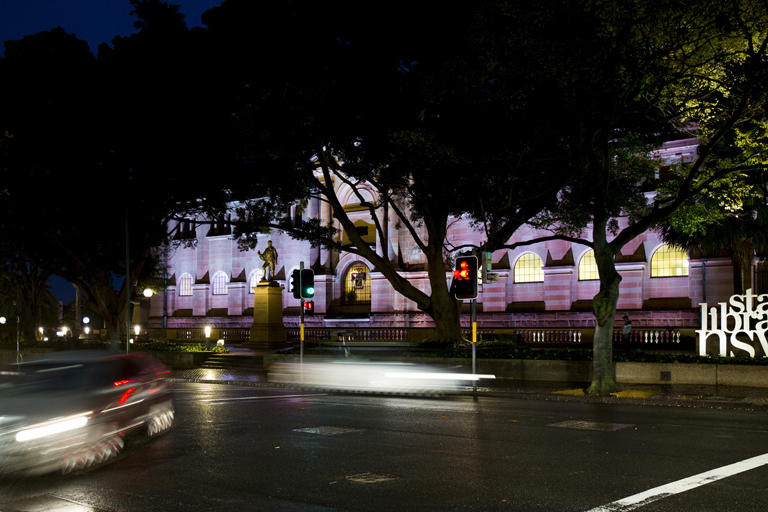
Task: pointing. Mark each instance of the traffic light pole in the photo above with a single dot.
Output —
(301, 323)
(474, 346)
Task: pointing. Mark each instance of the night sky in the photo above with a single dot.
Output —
(95, 21)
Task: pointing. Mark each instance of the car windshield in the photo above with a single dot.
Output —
(54, 376)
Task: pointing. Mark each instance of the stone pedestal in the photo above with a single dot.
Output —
(268, 313)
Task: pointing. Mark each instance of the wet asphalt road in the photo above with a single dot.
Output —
(238, 448)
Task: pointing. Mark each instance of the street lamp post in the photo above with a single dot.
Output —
(2, 322)
(127, 286)
(18, 327)
(207, 330)
(86, 328)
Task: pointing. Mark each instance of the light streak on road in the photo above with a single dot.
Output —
(262, 397)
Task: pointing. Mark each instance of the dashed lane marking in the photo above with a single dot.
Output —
(657, 493)
(326, 430)
(370, 478)
(590, 425)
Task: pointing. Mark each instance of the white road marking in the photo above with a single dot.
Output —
(590, 425)
(657, 493)
(370, 478)
(262, 397)
(326, 430)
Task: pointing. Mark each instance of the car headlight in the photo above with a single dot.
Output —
(52, 427)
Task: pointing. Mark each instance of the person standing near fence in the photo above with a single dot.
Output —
(626, 331)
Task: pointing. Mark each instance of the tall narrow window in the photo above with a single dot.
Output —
(219, 283)
(669, 261)
(528, 269)
(185, 285)
(588, 267)
(357, 285)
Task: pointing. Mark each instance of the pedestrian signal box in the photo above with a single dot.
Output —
(309, 307)
(296, 284)
(465, 277)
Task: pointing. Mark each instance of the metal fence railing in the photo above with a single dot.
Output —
(648, 337)
(350, 334)
(535, 337)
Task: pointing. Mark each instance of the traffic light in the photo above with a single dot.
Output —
(296, 284)
(309, 307)
(307, 283)
(465, 277)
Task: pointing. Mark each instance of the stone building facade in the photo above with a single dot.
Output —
(545, 285)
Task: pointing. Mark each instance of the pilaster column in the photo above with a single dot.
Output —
(326, 220)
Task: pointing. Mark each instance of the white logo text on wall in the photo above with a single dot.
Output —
(731, 322)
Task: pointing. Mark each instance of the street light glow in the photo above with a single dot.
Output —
(207, 331)
(137, 329)
(86, 320)
(148, 292)
(2, 320)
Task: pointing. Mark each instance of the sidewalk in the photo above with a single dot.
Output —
(745, 399)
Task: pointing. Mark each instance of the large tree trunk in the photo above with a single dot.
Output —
(439, 305)
(741, 259)
(444, 309)
(604, 308)
(115, 329)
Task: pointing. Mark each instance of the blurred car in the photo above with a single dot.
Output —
(68, 411)
(373, 377)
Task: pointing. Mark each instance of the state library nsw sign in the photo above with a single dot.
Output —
(739, 324)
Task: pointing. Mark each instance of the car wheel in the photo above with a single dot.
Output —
(160, 419)
(107, 445)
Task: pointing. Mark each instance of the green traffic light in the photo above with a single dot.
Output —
(310, 291)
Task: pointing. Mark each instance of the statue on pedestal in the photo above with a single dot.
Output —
(269, 256)
(268, 303)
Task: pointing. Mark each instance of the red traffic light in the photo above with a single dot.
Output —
(465, 277)
(463, 272)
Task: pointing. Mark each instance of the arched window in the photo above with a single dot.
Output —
(256, 276)
(528, 269)
(588, 267)
(219, 283)
(185, 285)
(669, 261)
(357, 284)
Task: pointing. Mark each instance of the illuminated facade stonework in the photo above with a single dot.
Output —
(541, 285)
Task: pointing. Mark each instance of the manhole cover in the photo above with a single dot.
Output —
(590, 425)
(369, 478)
(326, 431)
